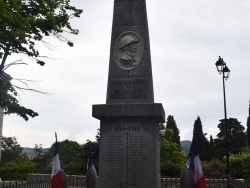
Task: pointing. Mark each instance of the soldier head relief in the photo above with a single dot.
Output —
(128, 50)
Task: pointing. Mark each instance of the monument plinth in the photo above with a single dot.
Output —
(129, 129)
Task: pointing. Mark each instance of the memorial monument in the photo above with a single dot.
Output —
(129, 121)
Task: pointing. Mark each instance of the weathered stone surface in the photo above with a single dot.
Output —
(129, 151)
(129, 110)
(129, 130)
(130, 19)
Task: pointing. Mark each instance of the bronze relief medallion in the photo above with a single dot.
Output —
(128, 50)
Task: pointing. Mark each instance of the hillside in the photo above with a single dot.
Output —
(185, 145)
(31, 152)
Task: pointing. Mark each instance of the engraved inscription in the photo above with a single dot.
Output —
(128, 50)
(126, 155)
(129, 89)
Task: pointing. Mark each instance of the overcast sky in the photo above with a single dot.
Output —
(186, 38)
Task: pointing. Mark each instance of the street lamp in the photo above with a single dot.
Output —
(222, 68)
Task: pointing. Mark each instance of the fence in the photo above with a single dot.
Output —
(234, 183)
(74, 181)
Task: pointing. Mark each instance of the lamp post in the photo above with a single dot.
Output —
(222, 68)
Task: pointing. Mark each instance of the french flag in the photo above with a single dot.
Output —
(194, 165)
(56, 175)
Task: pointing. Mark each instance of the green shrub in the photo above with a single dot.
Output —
(17, 169)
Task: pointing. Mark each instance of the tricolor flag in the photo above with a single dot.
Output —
(56, 175)
(91, 175)
(194, 165)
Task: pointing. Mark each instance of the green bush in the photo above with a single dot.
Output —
(172, 159)
(214, 169)
(74, 168)
(240, 165)
(17, 169)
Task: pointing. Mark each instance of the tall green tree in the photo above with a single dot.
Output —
(24, 24)
(71, 156)
(172, 158)
(248, 126)
(211, 148)
(11, 149)
(171, 124)
(202, 143)
(237, 138)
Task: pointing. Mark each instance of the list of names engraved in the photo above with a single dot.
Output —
(126, 156)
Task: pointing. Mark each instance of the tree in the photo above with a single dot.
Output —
(23, 25)
(162, 131)
(172, 158)
(248, 126)
(201, 141)
(171, 124)
(71, 156)
(211, 147)
(10, 104)
(10, 149)
(214, 168)
(237, 138)
(240, 164)
(211, 143)
(18, 169)
(92, 147)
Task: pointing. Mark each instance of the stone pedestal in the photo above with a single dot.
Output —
(129, 145)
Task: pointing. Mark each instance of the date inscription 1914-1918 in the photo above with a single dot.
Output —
(129, 128)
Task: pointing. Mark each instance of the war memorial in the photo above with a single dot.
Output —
(129, 121)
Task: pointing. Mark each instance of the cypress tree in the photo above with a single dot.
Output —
(171, 124)
(202, 143)
(211, 143)
(248, 126)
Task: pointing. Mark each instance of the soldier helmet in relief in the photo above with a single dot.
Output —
(128, 39)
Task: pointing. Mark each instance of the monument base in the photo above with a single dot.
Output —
(129, 145)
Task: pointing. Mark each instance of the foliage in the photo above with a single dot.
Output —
(10, 104)
(172, 159)
(11, 150)
(214, 168)
(17, 169)
(171, 124)
(165, 133)
(240, 164)
(74, 168)
(171, 155)
(237, 139)
(248, 127)
(69, 152)
(92, 147)
(23, 25)
(162, 131)
(201, 141)
(25, 22)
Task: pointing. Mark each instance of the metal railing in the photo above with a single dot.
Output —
(236, 183)
(74, 181)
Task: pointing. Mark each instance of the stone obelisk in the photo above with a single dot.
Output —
(129, 129)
